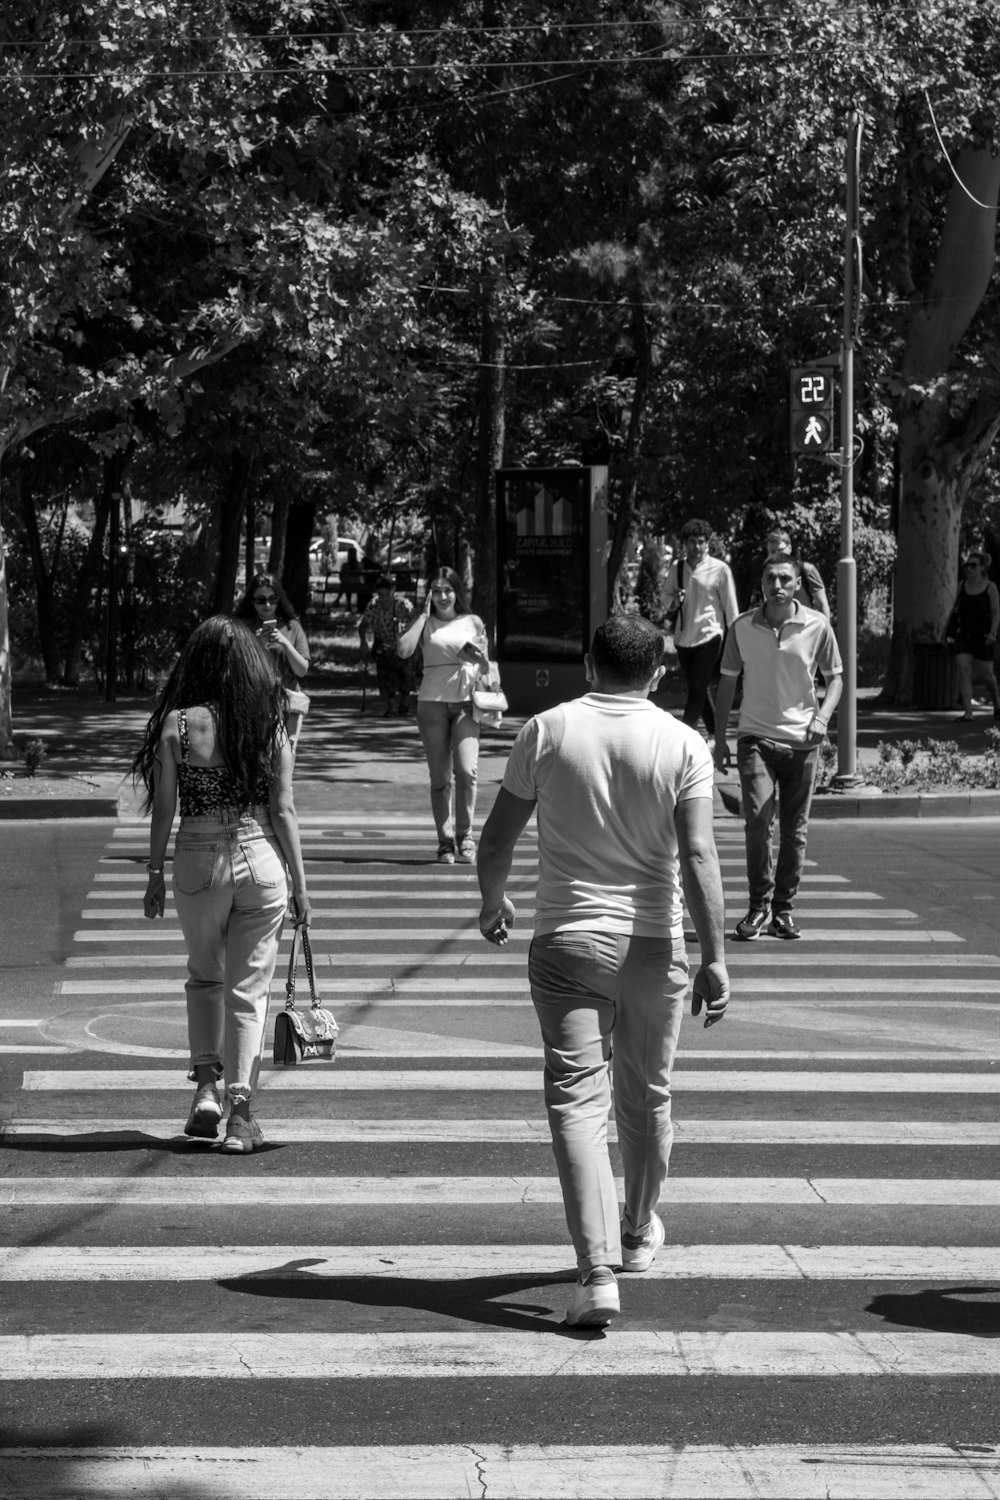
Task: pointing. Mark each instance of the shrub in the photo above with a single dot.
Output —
(32, 753)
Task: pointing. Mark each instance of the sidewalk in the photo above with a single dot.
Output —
(349, 760)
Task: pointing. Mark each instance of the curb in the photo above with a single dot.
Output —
(99, 797)
(834, 805)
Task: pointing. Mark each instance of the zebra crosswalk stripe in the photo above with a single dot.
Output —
(752, 1262)
(804, 1471)
(807, 1471)
(292, 1192)
(487, 1354)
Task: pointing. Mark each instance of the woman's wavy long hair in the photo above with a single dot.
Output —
(247, 610)
(224, 666)
(451, 578)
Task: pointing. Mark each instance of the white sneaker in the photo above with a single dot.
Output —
(594, 1300)
(639, 1250)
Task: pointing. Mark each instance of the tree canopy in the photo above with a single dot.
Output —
(262, 254)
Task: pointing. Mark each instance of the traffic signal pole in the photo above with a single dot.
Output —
(847, 578)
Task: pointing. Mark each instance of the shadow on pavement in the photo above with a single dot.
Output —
(942, 1311)
(471, 1300)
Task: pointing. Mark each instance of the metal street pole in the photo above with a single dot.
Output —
(847, 580)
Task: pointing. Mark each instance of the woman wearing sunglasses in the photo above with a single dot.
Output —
(453, 641)
(268, 611)
(973, 628)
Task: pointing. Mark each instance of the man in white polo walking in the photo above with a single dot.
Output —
(624, 800)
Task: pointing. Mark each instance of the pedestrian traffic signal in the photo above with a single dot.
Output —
(810, 410)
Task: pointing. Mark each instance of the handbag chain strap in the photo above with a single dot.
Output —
(300, 934)
(308, 955)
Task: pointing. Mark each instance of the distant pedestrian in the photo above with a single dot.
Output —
(777, 648)
(973, 626)
(386, 616)
(216, 740)
(453, 642)
(623, 794)
(701, 596)
(269, 612)
(813, 590)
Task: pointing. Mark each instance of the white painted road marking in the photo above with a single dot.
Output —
(756, 1262)
(820, 1471)
(389, 1081)
(487, 1354)
(297, 1130)
(293, 1192)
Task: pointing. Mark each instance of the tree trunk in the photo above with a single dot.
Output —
(629, 473)
(937, 453)
(93, 563)
(6, 721)
(489, 457)
(44, 575)
(231, 510)
(279, 528)
(295, 576)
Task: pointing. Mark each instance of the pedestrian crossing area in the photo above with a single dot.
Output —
(373, 1304)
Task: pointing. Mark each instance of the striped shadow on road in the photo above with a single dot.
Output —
(757, 1262)
(464, 1080)
(535, 1472)
(487, 1354)
(961, 1136)
(216, 1191)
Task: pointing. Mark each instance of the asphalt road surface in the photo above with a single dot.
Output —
(373, 1305)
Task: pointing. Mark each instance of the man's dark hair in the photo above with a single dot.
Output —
(784, 560)
(695, 528)
(626, 650)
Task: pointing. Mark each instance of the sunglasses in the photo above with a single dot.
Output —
(265, 598)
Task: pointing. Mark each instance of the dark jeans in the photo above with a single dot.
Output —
(770, 770)
(698, 664)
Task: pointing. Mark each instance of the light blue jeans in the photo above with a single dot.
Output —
(231, 894)
(450, 737)
(598, 994)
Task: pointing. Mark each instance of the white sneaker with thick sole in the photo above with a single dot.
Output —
(594, 1300)
(639, 1250)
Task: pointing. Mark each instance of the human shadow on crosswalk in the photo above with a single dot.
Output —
(945, 1311)
(104, 1142)
(469, 1299)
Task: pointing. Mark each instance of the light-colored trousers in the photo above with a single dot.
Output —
(450, 736)
(598, 993)
(231, 894)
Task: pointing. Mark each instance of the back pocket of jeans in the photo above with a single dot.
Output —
(194, 867)
(264, 863)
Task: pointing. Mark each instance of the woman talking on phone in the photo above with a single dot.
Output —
(270, 614)
(216, 741)
(453, 641)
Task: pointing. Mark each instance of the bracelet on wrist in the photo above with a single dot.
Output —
(154, 869)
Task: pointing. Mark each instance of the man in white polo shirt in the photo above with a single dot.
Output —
(624, 800)
(778, 648)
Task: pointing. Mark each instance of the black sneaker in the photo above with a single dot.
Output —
(782, 926)
(749, 930)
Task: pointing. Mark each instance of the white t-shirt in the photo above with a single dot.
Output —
(607, 771)
(449, 677)
(709, 606)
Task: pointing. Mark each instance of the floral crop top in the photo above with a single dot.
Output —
(204, 790)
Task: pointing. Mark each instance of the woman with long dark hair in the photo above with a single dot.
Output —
(269, 612)
(216, 740)
(453, 640)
